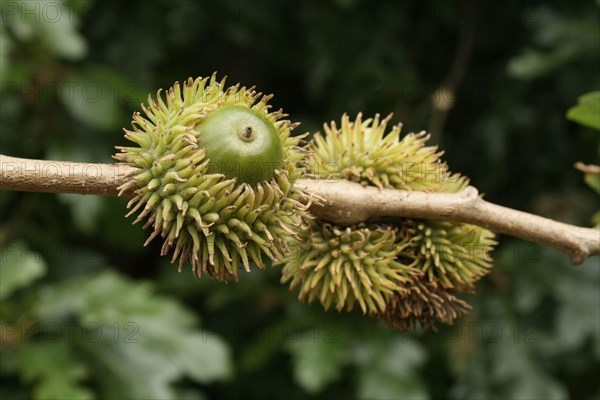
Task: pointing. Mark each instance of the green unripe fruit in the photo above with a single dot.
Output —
(241, 144)
(342, 267)
(215, 177)
(405, 272)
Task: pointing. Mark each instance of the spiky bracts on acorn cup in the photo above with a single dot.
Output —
(344, 266)
(216, 175)
(405, 271)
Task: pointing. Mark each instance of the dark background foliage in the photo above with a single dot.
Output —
(87, 312)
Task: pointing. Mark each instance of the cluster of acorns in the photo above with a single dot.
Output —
(405, 272)
(216, 181)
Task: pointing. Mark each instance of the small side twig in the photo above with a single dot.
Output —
(341, 202)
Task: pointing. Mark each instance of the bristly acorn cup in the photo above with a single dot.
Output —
(216, 176)
(404, 271)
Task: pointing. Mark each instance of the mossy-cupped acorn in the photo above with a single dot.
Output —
(444, 258)
(346, 266)
(215, 176)
(363, 151)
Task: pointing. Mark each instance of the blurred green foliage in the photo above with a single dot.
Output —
(87, 312)
(586, 110)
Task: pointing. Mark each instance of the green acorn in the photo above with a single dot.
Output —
(241, 144)
(216, 175)
(345, 266)
(452, 255)
(361, 151)
(438, 258)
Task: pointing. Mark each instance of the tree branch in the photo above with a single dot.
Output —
(342, 202)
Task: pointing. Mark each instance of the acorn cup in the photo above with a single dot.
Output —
(405, 272)
(215, 179)
(345, 266)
